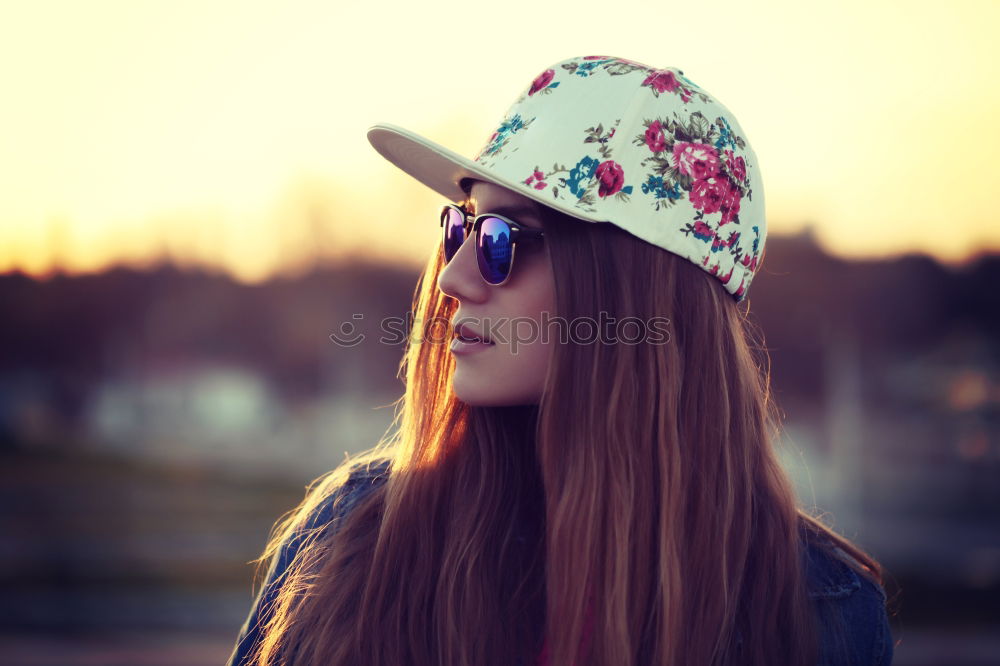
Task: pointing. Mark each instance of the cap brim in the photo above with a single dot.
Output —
(442, 169)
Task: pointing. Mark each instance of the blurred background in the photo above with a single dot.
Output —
(190, 208)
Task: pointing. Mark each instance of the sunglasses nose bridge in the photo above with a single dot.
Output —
(461, 277)
(452, 235)
(467, 238)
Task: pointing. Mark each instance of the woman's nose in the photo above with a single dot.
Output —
(460, 278)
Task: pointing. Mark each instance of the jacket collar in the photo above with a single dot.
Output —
(827, 575)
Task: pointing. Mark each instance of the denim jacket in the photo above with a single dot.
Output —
(840, 596)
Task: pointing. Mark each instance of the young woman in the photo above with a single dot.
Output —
(583, 471)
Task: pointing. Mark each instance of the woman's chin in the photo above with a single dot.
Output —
(475, 394)
(478, 393)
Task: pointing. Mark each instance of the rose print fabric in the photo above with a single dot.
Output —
(611, 140)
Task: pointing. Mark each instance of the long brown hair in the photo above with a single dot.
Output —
(644, 487)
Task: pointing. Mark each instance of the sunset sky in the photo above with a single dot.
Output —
(231, 133)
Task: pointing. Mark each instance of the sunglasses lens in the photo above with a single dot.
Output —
(454, 231)
(494, 249)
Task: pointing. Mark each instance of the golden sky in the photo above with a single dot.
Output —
(231, 133)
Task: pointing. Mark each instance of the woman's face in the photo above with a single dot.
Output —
(511, 370)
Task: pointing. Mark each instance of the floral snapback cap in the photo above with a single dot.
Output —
(605, 139)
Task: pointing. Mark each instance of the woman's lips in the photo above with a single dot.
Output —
(463, 330)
